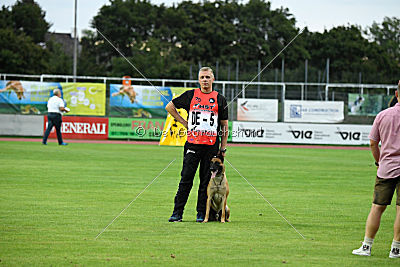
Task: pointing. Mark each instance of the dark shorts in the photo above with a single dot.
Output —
(384, 190)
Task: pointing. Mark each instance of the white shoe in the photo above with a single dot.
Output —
(394, 253)
(364, 250)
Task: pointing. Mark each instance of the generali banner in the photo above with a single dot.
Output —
(81, 128)
(250, 109)
(314, 111)
(299, 133)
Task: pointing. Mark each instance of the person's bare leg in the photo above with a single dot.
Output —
(371, 228)
(395, 248)
(374, 220)
(396, 235)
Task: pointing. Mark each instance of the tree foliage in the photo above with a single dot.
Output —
(28, 17)
(164, 42)
(387, 35)
(22, 41)
(192, 33)
(18, 52)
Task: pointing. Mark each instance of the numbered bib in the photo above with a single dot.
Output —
(203, 118)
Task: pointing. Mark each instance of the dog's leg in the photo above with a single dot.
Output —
(207, 209)
(227, 210)
(7, 88)
(228, 214)
(223, 209)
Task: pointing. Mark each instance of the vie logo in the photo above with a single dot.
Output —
(349, 135)
(301, 134)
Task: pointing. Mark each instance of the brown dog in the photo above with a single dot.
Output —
(217, 191)
(127, 90)
(15, 86)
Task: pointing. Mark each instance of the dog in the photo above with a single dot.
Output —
(217, 192)
(128, 91)
(15, 86)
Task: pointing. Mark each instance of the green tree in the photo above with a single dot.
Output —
(5, 18)
(22, 32)
(57, 61)
(349, 53)
(89, 62)
(189, 33)
(28, 17)
(19, 54)
(387, 35)
(127, 24)
(164, 41)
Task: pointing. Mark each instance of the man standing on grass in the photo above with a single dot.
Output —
(207, 120)
(55, 107)
(386, 129)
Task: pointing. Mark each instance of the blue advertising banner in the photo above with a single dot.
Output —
(20, 97)
(139, 101)
(139, 96)
(20, 92)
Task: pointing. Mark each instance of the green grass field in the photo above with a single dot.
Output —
(55, 200)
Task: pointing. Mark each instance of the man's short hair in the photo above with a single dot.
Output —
(56, 91)
(206, 69)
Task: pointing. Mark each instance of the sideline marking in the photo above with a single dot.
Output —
(15, 139)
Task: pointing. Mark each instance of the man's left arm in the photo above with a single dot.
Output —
(224, 136)
(62, 106)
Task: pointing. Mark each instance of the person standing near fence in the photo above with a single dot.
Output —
(55, 107)
(386, 129)
(207, 121)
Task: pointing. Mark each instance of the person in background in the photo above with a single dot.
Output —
(55, 107)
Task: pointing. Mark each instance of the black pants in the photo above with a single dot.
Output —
(54, 119)
(193, 155)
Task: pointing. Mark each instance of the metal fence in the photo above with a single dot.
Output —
(241, 89)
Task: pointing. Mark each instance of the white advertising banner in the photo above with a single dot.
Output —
(314, 111)
(299, 133)
(251, 109)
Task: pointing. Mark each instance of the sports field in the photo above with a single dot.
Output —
(55, 200)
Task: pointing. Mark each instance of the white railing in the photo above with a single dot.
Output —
(243, 84)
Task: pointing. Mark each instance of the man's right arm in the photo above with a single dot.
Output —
(174, 113)
(375, 150)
